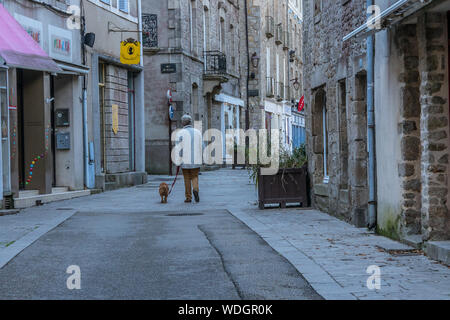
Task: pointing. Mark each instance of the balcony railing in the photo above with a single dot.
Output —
(215, 63)
(270, 25)
(270, 87)
(280, 91)
(279, 34)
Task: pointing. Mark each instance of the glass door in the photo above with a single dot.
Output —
(4, 111)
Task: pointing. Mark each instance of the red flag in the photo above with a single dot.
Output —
(301, 104)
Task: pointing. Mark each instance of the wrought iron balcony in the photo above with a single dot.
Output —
(215, 63)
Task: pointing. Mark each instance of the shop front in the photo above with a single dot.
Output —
(40, 97)
(230, 119)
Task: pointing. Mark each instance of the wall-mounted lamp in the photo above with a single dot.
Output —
(296, 84)
(255, 60)
(89, 39)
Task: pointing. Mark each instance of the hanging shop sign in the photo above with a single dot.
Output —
(301, 104)
(130, 51)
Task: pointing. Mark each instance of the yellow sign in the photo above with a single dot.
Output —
(130, 51)
(115, 118)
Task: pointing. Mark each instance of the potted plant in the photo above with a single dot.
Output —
(289, 185)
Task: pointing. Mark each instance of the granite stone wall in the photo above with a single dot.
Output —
(328, 63)
(433, 68)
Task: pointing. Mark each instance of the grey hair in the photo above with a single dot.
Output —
(186, 120)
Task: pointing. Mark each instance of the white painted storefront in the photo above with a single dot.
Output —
(231, 111)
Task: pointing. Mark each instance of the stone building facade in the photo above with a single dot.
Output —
(115, 96)
(275, 83)
(413, 111)
(34, 164)
(196, 49)
(334, 84)
(411, 94)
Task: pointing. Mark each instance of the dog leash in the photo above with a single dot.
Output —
(174, 181)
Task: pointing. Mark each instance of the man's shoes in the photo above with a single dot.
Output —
(197, 198)
(187, 201)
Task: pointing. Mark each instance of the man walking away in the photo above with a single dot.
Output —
(192, 162)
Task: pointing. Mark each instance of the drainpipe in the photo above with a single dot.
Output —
(87, 179)
(247, 111)
(371, 129)
(85, 138)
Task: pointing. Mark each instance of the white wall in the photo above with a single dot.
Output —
(387, 117)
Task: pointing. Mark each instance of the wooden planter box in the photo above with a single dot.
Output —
(288, 186)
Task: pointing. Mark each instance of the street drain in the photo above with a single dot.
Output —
(184, 214)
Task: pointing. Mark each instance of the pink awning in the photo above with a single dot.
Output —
(19, 49)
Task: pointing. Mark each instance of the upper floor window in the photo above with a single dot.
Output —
(206, 32)
(192, 26)
(222, 35)
(123, 5)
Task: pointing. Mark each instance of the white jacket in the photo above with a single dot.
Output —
(189, 148)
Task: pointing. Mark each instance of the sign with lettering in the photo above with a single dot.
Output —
(31, 26)
(60, 43)
(168, 68)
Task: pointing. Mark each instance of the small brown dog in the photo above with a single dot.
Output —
(163, 192)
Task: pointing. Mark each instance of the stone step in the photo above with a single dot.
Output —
(30, 201)
(110, 178)
(28, 193)
(60, 189)
(413, 240)
(110, 186)
(210, 168)
(438, 250)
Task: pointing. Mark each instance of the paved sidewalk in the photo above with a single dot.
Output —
(331, 254)
(334, 256)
